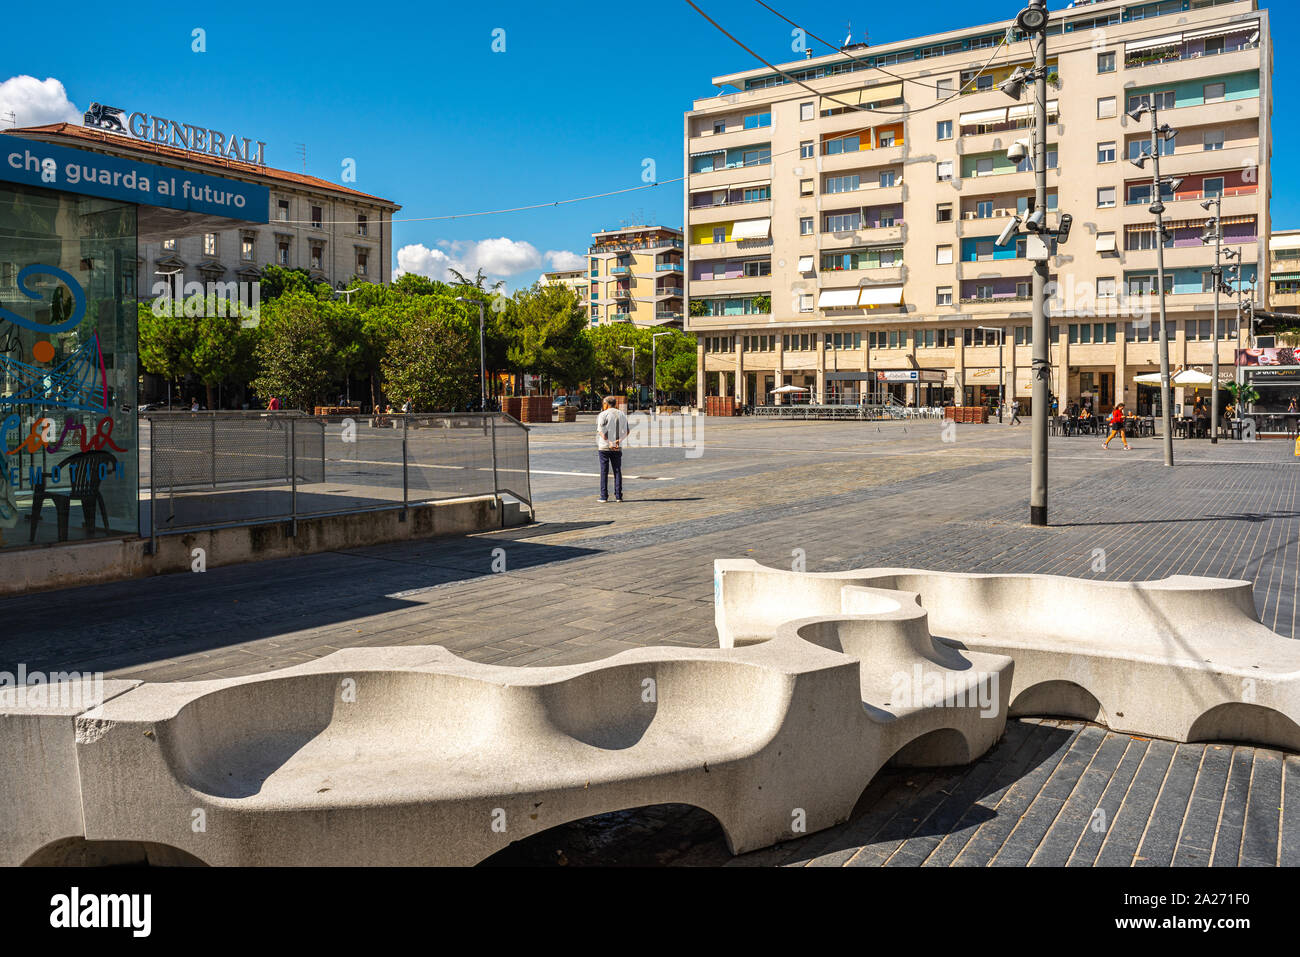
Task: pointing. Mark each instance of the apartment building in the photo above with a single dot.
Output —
(334, 232)
(575, 279)
(842, 230)
(635, 274)
(1284, 270)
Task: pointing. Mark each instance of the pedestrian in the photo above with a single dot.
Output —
(407, 407)
(194, 404)
(1291, 407)
(1117, 427)
(273, 404)
(1015, 411)
(611, 430)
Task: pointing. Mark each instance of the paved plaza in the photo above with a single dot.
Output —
(589, 580)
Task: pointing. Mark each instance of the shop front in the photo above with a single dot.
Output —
(70, 222)
(1275, 375)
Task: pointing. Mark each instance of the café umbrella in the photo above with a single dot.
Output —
(1187, 377)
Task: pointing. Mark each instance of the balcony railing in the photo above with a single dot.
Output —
(616, 245)
(1027, 123)
(622, 293)
(1195, 194)
(971, 300)
(668, 267)
(730, 202)
(619, 270)
(669, 291)
(1180, 51)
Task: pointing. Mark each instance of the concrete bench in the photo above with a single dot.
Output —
(1183, 658)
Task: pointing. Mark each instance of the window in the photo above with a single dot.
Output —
(315, 217)
(885, 139)
(943, 213)
(842, 184)
(1022, 246)
(943, 296)
(1105, 107)
(1139, 146)
(1106, 287)
(361, 226)
(1105, 197)
(807, 111)
(943, 130)
(843, 222)
(983, 250)
(805, 302)
(984, 209)
(317, 253)
(169, 244)
(754, 194)
(943, 89)
(1163, 100)
(1213, 186)
(1215, 92)
(363, 260)
(282, 253)
(719, 234)
(1106, 152)
(806, 149)
(1022, 290)
(805, 187)
(209, 244)
(282, 210)
(1213, 140)
(943, 255)
(1106, 62)
(719, 126)
(984, 166)
(756, 120)
(756, 157)
(805, 226)
(887, 179)
(758, 267)
(246, 248)
(845, 144)
(944, 170)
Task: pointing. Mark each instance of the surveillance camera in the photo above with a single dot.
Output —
(1034, 223)
(1017, 152)
(1010, 232)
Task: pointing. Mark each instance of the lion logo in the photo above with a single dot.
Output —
(104, 117)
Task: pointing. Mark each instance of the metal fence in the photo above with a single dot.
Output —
(220, 469)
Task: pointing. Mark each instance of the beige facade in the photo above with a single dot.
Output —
(830, 243)
(1284, 270)
(635, 275)
(575, 279)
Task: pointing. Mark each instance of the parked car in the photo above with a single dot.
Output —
(563, 400)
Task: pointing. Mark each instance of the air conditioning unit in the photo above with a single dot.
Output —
(970, 214)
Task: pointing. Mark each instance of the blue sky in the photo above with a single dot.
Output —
(583, 94)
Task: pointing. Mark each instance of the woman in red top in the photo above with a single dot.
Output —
(1117, 427)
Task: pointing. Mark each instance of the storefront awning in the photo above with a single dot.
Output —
(881, 296)
(751, 229)
(838, 299)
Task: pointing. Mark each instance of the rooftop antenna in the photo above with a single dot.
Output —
(301, 150)
(849, 36)
(11, 117)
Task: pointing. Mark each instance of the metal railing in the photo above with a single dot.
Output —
(210, 470)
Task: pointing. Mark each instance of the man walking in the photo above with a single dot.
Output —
(611, 430)
(1015, 411)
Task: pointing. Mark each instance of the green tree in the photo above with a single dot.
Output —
(296, 350)
(432, 361)
(278, 280)
(545, 328)
(201, 337)
(677, 360)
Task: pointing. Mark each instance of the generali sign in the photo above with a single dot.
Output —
(165, 132)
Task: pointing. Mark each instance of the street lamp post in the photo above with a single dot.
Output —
(1002, 375)
(654, 369)
(632, 349)
(1216, 224)
(482, 365)
(1159, 132)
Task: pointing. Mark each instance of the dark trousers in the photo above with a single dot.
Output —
(611, 457)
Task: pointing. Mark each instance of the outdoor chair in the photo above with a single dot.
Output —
(84, 488)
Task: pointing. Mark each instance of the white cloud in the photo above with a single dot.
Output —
(499, 258)
(563, 259)
(36, 102)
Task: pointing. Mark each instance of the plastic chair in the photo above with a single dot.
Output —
(84, 488)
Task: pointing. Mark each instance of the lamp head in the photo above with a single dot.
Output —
(1207, 206)
(1138, 112)
(1168, 132)
(1014, 85)
(1032, 19)
(1140, 161)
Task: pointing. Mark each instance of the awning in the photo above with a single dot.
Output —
(751, 229)
(881, 296)
(751, 183)
(707, 153)
(1154, 43)
(1221, 31)
(1106, 243)
(1027, 109)
(838, 299)
(984, 117)
(838, 100)
(805, 263)
(1285, 276)
(1284, 242)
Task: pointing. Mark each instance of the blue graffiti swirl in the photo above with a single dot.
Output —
(74, 287)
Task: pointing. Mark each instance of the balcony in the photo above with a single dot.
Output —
(622, 294)
(1017, 182)
(725, 212)
(862, 159)
(668, 267)
(1197, 68)
(731, 288)
(1183, 196)
(1206, 114)
(862, 237)
(873, 275)
(870, 193)
(720, 178)
(662, 291)
(1187, 257)
(734, 138)
(620, 270)
(1193, 160)
(744, 247)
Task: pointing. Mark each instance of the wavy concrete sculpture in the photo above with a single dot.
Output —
(1183, 658)
(412, 755)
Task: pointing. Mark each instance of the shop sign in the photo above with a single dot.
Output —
(165, 132)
